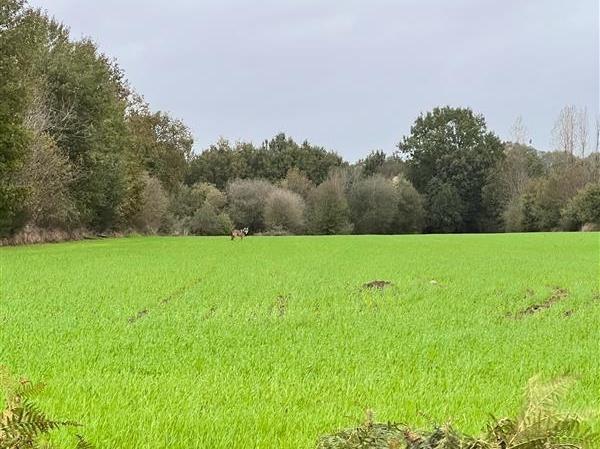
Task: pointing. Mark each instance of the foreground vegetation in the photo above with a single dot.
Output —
(274, 342)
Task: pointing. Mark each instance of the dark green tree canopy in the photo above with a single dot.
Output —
(454, 146)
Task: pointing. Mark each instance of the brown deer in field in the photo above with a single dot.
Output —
(241, 233)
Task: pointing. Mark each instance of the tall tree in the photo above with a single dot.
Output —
(373, 162)
(564, 133)
(519, 133)
(163, 144)
(453, 147)
(15, 48)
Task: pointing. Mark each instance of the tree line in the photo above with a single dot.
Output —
(83, 152)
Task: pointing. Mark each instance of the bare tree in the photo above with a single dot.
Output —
(565, 130)
(582, 130)
(597, 133)
(519, 133)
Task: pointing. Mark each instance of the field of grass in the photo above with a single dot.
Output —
(271, 341)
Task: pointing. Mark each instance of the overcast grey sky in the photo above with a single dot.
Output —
(348, 75)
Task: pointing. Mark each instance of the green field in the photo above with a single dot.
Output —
(271, 341)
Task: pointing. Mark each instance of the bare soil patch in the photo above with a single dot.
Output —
(138, 316)
(558, 294)
(377, 285)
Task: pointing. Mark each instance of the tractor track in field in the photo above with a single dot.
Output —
(558, 295)
(175, 294)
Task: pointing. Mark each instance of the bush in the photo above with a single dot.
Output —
(444, 207)
(328, 212)
(582, 209)
(410, 212)
(47, 176)
(284, 211)
(187, 200)
(247, 200)
(540, 425)
(208, 221)
(512, 216)
(373, 205)
(297, 182)
(152, 214)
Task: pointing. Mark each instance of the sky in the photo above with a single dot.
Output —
(348, 75)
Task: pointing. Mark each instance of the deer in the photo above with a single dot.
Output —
(241, 233)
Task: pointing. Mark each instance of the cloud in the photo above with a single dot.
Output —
(347, 74)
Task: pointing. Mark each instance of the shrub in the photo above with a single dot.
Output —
(297, 182)
(512, 216)
(187, 200)
(247, 199)
(373, 205)
(284, 211)
(444, 207)
(583, 208)
(208, 221)
(47, 175)
(328, 209)
(410, 212)
(152, 214)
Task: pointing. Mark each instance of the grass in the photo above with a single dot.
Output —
(272, 341)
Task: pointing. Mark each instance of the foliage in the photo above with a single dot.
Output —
(284, 211)
(162, 144)
(507, 181)
(328, 211)
(454, 147)
(14, 136)
(209, 221)
(539, 426)
(373, 162)
(297, 182)
(77, 142)
(373, 205)
(583, 208)
(154, 205)
(222, 163)
(247, 199)
(444, 207)
(410, 214)
(546, 198)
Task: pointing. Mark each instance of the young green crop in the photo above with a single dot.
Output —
(273, 341)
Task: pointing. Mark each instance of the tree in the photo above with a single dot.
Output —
(247, 199)
(152, 214)
(519, 133)
(94, 132)
(373, 163)
(162, 144)
(564, 133)
(582, 209)
(454, 147)
(508, 180)
(218, 164)
(209, 221)
(444, 207)
(15, 60)
(373, 205)
(410, 213)
(328, 208)
(297, 182)
(582, 131)
(284, 210)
